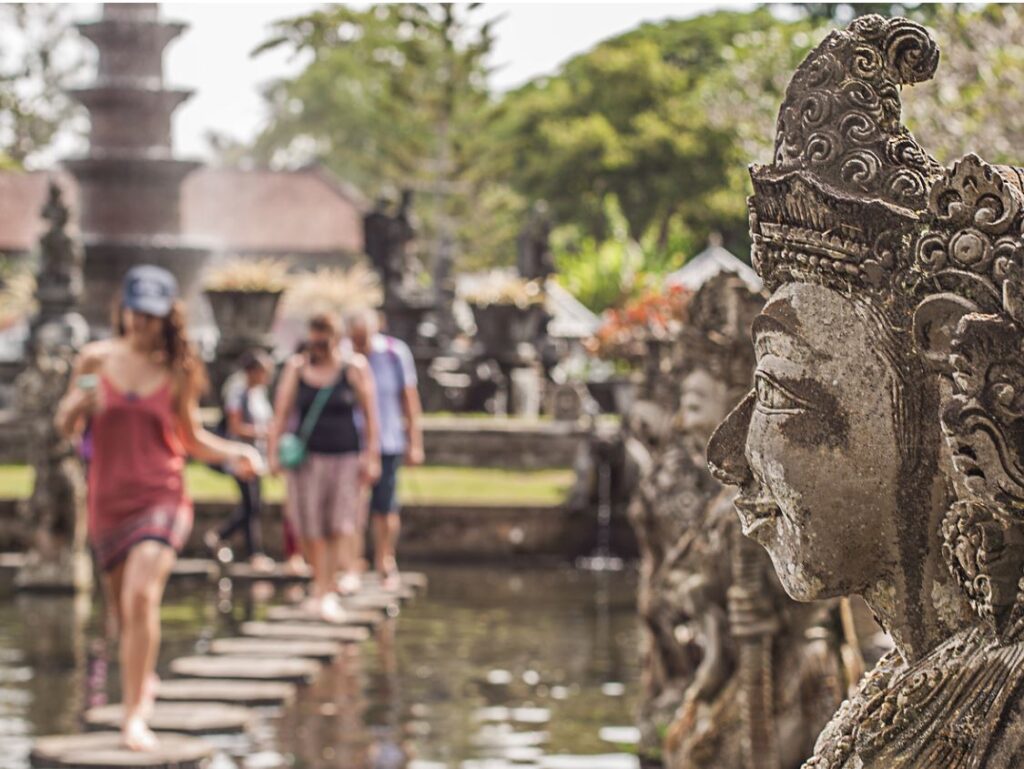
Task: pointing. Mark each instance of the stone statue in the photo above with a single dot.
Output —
(59, 277)
(881, 452)
(738, 675)
(55, 512)
(533, 248)
(386, 239)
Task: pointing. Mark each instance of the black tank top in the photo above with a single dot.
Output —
(335, 431)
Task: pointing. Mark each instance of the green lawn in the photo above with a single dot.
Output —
(423, 485)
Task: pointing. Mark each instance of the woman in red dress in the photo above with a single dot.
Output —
(139, 393)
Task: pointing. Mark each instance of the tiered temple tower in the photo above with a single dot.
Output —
(130, 182)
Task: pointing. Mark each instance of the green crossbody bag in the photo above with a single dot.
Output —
(291, 448)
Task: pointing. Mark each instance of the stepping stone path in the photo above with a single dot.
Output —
(195, 568)
(251, 693)
(213, 693)
(306, 631)
(362, 617)
(243, 572)
(102, 750)
(325, 651)
(290, 670)
(180, 717)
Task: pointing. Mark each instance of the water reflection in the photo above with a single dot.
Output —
(490, 668)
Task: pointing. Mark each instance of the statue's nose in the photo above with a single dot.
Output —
(726, 456)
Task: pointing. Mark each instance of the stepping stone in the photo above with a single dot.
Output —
(182, 717)
(306, 631)
(325, 651)
(243, 572)
(357, 617)
(12, 561)
(297, 671)
(408, 579)
(252, 693)
(195, 568)
(383, 602)
(102, 750)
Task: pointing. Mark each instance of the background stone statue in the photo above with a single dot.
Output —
(881, 452)
(386, 239)
(729, 671)
(534, 259)
(55, 512)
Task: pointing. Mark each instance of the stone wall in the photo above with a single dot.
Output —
(506, 443)
(458, 442)
(451, 533)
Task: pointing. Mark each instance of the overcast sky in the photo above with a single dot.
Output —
(213, 56)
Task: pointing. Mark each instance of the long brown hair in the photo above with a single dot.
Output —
(178, 353)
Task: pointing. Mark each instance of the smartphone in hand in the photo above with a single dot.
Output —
(87, 382)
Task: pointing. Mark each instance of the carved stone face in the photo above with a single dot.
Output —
(703, 402)
(815, 448)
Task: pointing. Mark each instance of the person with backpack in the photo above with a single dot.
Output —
(401, 436)
(247, 417)
(326, 461)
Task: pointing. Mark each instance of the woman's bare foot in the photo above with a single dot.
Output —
(148, 699)
(136, 736)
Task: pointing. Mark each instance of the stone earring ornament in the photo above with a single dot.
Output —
(882, 453)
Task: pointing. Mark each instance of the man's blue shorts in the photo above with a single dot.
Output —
(384, 497)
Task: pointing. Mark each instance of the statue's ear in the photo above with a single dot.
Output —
(935, 322)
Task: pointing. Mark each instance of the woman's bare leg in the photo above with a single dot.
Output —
(112, 583)
(316, 551)
(145, 574)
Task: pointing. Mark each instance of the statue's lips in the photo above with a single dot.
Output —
(755, 513)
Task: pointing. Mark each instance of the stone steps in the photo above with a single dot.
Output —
(214, 693)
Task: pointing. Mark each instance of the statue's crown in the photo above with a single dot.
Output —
(851, 199)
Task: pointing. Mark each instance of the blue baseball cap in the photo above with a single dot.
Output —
(149, 289)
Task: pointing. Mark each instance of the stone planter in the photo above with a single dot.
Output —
(244, 318)
(501, 328)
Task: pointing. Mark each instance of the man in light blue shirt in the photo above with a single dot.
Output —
(401, 436)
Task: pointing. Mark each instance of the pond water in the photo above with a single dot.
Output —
(489, 669)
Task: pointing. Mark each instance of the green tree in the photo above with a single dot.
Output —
(630, 118)
(392, 97)
(40, 54)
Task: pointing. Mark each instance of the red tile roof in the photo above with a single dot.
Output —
(306, 211)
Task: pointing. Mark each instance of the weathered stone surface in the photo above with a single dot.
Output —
(195, 568)
(729, 673)
(243, 572)
(324, 651)
(236, 692)
(306, 630)
(102, 750)
(181, 717)
(351, 617)
(880, 453)
(247, 668)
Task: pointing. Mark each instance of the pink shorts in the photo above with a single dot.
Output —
(324, 495)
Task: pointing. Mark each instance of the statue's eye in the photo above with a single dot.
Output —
(773, 397)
